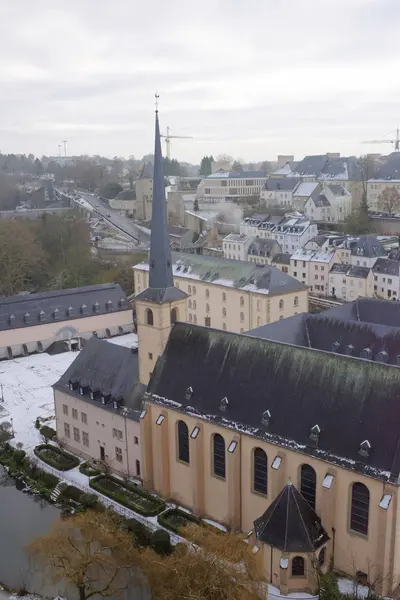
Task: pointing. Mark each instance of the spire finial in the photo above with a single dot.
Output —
(156, 96)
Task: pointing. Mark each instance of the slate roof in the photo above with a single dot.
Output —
(390, 169)
(107, 369)
(350, 270)
(351, 400)
(290, 524)
(263, 247)
(327, 168)
(231, 273)
(284, 184)
(55, 306)
(367, 245)
(306, 188)
(349, 329)
(388, 266)
(282, 258)
(320, 200)
(236, 175)
(338, 190)
(175, 230)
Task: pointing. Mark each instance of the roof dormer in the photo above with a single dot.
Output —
(223, 405)
(365, 449)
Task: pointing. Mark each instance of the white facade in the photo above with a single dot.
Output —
(236, 246)
(349, 283)
(333, 204)
(375, 188)
(302, 193)
(312, 267)
(387, 279)
(291, 232)
(226, 186)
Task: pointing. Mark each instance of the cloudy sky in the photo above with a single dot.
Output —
(251, 78)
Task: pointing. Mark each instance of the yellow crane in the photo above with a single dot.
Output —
(170, 137)
(396, 141)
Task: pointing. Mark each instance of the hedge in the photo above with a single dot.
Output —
(87, 469)
(53, 456)
(140, 531)
(175, 512)
(161, 542)
(128, 495)
(48, 432)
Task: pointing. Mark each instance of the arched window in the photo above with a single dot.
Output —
(260, 471)
(189, 289)
(223, 297)
(183, 442)
(207, 293)
(190, 303)
(224, 312)
(308, 484)
(138, 468)
(174, 315)
(281, 305)
(241, 317)
(258, 305)
(298, 566)
(219, 455)
(207, 308)
(241, 301)
(359, 508)
(149, 317)
(296, 301)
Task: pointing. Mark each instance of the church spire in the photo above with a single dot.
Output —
(161, 283)
(160, 252)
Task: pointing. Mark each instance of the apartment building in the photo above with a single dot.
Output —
(97, 405)
(236, 246)
(279, 191)
(262, 251)
(386, 274)
(347, 282)
(333, 204)
(231, 186)
(302, 193)
(312, 268)
(291, 232)
(230, 294)
(363, 251)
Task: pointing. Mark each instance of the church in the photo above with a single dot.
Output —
(294, 444)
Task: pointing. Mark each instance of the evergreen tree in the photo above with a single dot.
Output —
(205, 166)
(196, 205)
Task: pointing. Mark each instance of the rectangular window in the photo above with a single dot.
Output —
(65, 409)
(118, 454)
(74, 413)
(136, 440)
(117, 434)
(85, 438)
(77, 436)
(84, 418)
(67, 430)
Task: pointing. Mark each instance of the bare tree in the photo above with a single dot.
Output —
(389, 200)
(91, 551)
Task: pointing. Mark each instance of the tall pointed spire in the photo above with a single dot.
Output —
(160, 252)
(161, 283)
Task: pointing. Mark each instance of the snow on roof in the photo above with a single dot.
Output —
(202, 216)
(237, 237)
(306, 188)
(285, 170)
(312, 255)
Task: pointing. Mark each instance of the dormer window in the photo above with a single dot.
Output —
(382, 357)
(116, 404)
(349, 350)
(70, 311)
(109, 305)
(92, 395)
(335, 346)
(366, 353)
(81, 390)
(103, 400)
(27, 317)
(266, 418)
(96, 307)
(42, 316)
(188, 393)
(314, 433)
(84, 309)
(365, 448)
(11, 319)
(56, 313)
(223, 405)
(122, 301)
(71, 385)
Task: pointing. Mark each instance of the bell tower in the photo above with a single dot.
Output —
(160, 304)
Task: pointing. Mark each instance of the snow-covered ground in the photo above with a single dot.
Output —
(26, 387)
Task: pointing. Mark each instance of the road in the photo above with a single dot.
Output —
(116, 218)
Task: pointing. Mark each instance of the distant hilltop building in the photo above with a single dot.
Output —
(224, 186)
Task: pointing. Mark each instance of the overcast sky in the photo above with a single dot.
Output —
(253, 79)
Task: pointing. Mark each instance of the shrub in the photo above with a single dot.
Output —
(161, 542)
(129, 495)
(140, 531)
(89, 500)
(37, 423)
(19, 456)
(87, 469)
(72, 493)
(175, 520)
(53, 456)
(48, 432)
(49, 481)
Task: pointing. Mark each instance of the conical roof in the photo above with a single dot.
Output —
(290, 523)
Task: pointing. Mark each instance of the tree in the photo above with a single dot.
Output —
(213, 567)
(39, 170)
(196, 205)
(368, 169)
(90, 551)
(266, 166)
(389, 200)
(206, 166)
(237, 167)
(111, 189)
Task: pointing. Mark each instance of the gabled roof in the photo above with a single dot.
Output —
(338, 190)
(368, 310)
(231, 273)
(320, 200)
(263, 247)
(388, 266)
(108, 369)
(306, 188)
(54, 306)
(351, 400)
(390, 169)
(284, 184)
(350, 270)
(282, 258)
(328, 168)
(290, 524)
(367, 245)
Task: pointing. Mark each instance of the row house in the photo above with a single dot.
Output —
(347, 282)
(236, 246)
(279, 192)
(387, 279)
(312, 267)
(333, 204)
(291, 232)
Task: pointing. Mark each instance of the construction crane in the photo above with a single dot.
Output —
(170, 137)
(65, 147)
(396, 141)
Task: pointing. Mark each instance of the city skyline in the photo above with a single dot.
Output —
(251, 81)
